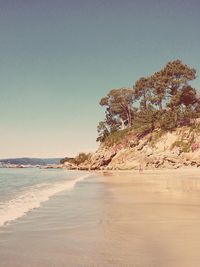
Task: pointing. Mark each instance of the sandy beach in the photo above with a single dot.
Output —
(112, 219)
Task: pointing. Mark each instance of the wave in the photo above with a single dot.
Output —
(32, 199)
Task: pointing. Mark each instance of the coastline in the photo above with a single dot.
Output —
(148, 171)
(113, 218)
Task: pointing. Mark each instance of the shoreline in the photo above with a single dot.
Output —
(112, 218)
(146, 171)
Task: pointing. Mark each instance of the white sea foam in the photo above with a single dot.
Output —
(31, 199)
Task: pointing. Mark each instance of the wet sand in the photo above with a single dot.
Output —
(112, 219)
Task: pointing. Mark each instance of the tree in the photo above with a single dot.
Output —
(119, 108)
(81, 158)
(146, 119)
(158, 81)
(163, 100)
(103, 131)
(177, 76)
(188, 96)
(143, 91)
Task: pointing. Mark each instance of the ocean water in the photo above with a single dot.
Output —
(22, 190)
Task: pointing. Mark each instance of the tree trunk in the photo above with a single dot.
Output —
(129, 117)
(122, 124)
(160, 104)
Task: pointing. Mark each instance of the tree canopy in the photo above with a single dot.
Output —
(164, 100)
(119, 108)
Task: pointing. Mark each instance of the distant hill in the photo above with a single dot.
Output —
(31, 161)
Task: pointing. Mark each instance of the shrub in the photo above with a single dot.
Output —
(117, 137)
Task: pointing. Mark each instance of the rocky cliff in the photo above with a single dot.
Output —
(175, 149)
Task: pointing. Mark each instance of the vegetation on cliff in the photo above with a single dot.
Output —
(164, 101)
(79, 159)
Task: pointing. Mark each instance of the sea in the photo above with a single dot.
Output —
(22, 190)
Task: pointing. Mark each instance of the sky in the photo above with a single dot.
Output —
(58, 58)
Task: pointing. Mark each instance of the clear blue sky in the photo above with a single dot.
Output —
(58, 58)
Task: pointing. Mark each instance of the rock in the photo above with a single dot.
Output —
(172, 160)
(148, 152)
(142, 144)
(163, 154)
(69, 166)
(134, 143)
(102, 158)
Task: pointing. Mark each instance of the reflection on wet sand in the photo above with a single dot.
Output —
(153, 219)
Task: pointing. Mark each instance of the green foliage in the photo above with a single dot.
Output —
(145, 121)
(80, 158)
(185, 143)
(143, 91)
(116, 138)
(156, 136)
(119, 108)
(162, 101)
(195, 127)
(168, 120)
(103, 131)
(66, 159)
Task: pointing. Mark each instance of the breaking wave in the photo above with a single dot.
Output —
(32, 199)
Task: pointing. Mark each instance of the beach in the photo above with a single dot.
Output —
(111, 219)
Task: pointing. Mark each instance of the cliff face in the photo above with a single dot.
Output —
(156, 150)
(179, 148)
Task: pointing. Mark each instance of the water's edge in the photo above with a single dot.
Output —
(33, 198)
